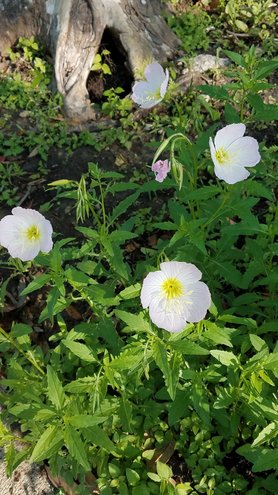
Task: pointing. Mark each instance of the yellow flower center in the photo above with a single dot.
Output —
(33, 233)
(172, 288)
(222, 156)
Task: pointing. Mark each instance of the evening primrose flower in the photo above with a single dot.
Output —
(161, 169)
(231, 153)
(151, 91)
(25, 233)
(175, 296)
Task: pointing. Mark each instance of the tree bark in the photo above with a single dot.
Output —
(73, 29)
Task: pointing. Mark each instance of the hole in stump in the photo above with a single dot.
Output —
(98, 82)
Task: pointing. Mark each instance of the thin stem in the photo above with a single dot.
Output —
(102, 205)
(27, 356)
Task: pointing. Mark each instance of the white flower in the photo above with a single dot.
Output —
(150, 92)
(231, 153)
(175, 296)
(25, 233)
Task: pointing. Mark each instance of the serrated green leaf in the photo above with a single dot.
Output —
(269, 432)
(217, 335)
(235, 57)
(170, 372)
(80, 350)
(218, 92)
(185, 346)
(267, 459)
(130, 292)
(48, 444)
(85, 420)
(100, 438)
(75, 447)
(224, 357)
(36, 284)
(124, 205)
(55, 389)
(135, 322)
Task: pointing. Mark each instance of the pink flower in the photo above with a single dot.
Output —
(161, 169)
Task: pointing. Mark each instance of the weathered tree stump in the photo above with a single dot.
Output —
(72, 31)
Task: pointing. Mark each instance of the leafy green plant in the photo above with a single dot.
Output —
(254, 17)
(100, 62)
(191, 28)
(242, 96)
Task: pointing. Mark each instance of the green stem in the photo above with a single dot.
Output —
(102, 205)
(215, 214)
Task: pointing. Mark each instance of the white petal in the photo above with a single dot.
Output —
(25, 251)
(28, 215)
(187, 273)
(164, 84)
(46, 242)
(231, 173)
(150, 102)
(151, 287)
(155, 74)
(168, 321)
(198, 302)
(139, 91)
(226, 136)
(10, 227)
(245, 152)
(143, 95)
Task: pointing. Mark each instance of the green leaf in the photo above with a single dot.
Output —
(123, 206)
(125, 414)
(75, 447)
(130, 359)
(161, 359)
(224, 357)
(48, 444)
(163, 471)
(136, 323)
(76, 277)
(218, 92)
(115, 258)
(205, 192)
(257, 342)
(45, 414)
(121, 236)
(85, 420)
(269, 432)
(20, 330)
(185, 346)
(100, 438)
(217, 335)
(231, 114)
(80, 350)
(200, 402)
(36, 284)
(266, 68)
(55, 389)
(130, 292)
(154, 477)
(235, 57)
(267, 459)
(132, 476)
